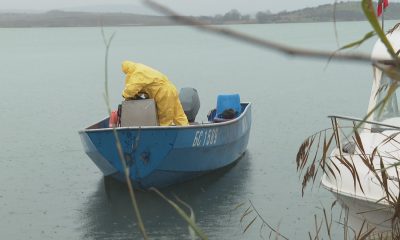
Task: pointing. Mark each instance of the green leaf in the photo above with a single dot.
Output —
(359, 42)
(369, 12)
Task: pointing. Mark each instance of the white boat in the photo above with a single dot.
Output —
(361, 170)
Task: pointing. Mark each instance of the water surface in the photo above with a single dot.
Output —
(52, 85)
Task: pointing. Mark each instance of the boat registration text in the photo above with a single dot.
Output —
(205, 137)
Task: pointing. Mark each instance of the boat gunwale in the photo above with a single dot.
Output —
(202, 125)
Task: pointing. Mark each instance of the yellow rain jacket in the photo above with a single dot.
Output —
(141, 78)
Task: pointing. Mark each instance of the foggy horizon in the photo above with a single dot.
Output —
(196, 7)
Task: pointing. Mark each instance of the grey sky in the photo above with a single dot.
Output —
(186, 7)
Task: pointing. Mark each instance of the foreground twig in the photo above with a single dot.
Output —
(258, 41)
(266, 224)
(182, 213)
(107, 43)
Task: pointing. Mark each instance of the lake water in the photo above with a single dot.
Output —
(52, 85)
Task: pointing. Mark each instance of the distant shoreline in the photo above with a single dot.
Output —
(345, 11)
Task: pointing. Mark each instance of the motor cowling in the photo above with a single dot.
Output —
(190, 102)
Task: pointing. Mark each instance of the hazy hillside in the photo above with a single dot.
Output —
(345, 11)
(71, 19)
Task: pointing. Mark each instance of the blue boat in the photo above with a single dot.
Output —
(159, 156)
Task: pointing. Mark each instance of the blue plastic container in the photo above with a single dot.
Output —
(227, 101)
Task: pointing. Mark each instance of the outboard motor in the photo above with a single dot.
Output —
(190, 102)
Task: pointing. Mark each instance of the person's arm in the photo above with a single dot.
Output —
(134, 84)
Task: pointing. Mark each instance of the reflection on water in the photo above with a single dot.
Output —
(109, 213)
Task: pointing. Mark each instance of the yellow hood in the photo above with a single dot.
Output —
(128, 67)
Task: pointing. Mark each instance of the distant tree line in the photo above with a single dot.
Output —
(345, 11)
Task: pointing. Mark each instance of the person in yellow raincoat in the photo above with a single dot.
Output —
(141, 78)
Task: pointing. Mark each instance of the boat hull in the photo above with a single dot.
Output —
(162, 156)
(363, 213)
(364, 200)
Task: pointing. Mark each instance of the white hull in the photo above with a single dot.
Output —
(364, 197)
(363, 171)
(363, 213)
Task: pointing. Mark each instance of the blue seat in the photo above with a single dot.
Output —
(227, 101)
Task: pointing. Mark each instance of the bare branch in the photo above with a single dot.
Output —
(265, 222)
(292, 51)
